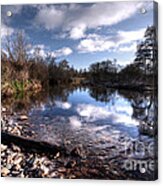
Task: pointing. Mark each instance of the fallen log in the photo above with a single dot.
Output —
(31, 145)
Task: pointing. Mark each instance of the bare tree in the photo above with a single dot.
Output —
(16, 47)
(20, 47)
(8, 46)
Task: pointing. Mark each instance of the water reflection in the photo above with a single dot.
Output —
(133, 113)
(144, 109)
(102, 94)
(24, 102)
(99, 121)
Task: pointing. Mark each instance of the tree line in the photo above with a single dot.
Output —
(143, 71)
(25, 72)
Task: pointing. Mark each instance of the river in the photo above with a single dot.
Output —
(112, 128)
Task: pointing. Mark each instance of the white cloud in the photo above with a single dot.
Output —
(65, 51)
(127, 40)
(50, 17)
(123, 41)
(130, 48)
(128, 36)
(95, 43)
(123, 63)
(78, 32)
(44, 51)
(77, 19)
(101, 14)
(6, 31)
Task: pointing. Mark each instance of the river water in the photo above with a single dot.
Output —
(110, 127)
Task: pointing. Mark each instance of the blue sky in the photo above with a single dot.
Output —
(81, 33)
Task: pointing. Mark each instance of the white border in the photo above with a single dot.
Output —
(57, 182)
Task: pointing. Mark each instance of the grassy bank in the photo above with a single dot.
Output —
(19, 87)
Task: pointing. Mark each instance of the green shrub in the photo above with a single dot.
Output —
(18, 86)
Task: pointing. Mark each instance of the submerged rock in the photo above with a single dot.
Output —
(4, 109)
(70, 164)
(3, 147)
(4, 171)
(78, 152)
(62, 169)
(22, 117)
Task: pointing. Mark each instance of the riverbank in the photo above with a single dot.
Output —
(18, 160)
(16, 87)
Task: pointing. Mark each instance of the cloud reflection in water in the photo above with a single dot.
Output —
(112, 114)
(63, 105)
